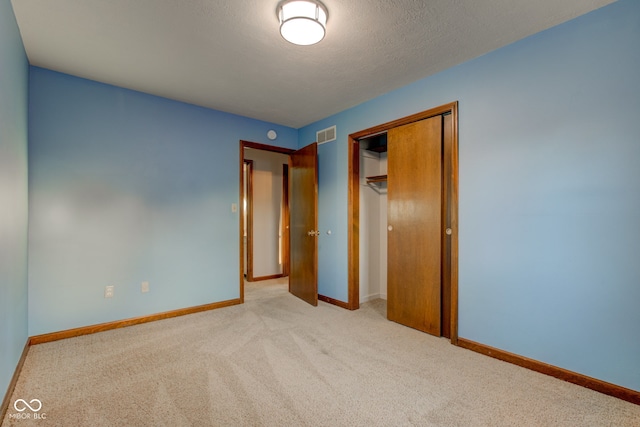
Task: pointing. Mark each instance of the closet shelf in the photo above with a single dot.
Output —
(378, 148)
(376, 179)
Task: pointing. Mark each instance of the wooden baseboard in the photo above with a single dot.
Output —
(12, 384)
(86, 330)
(554, 371)
(273, 276)
(333, 301)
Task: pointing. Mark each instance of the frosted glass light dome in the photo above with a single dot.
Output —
(302, 22)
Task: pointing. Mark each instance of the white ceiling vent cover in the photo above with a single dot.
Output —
(326, 135)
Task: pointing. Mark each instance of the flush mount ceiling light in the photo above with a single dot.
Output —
(302, 22)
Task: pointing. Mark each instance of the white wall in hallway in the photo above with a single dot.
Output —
(267, 203)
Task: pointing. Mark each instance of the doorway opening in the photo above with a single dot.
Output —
(264, 216)
(412, 165)
(292, 239)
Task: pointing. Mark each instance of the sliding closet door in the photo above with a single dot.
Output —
(415, 224)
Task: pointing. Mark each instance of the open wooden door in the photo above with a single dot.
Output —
(414, 224)
(303, 217)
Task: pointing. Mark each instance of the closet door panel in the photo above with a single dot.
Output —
(414, 224)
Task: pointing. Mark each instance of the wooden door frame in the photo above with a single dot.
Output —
(354, 206)
(285, 220)
(248, 212)
(255, 146)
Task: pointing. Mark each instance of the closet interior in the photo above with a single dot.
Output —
(373, 217)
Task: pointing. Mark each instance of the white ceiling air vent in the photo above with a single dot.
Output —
(326, 135)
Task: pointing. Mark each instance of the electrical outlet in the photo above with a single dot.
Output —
(144, 287)
(108, 291)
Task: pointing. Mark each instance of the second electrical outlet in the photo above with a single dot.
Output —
(144, 287)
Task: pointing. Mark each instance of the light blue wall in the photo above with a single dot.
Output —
(14, 75)
(549, 192)
(126, 187)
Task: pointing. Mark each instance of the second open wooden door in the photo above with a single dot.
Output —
(303, 217)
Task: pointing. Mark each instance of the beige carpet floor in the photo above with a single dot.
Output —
(276, 361)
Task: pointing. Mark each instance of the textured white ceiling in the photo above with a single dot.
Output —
(228, 54)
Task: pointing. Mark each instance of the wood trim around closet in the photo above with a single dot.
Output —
(353, 225)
